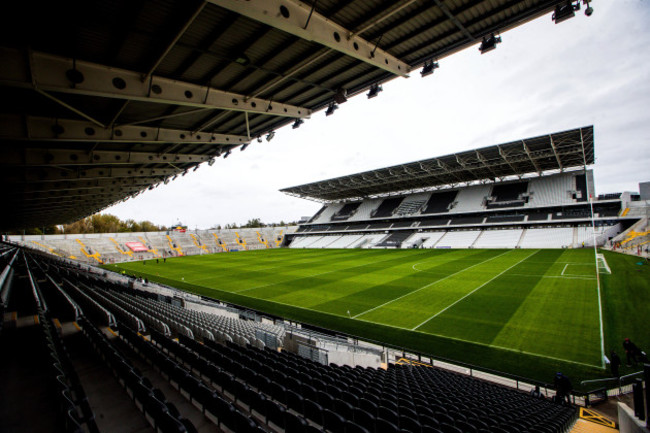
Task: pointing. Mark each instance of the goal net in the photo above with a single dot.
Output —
(601, 264)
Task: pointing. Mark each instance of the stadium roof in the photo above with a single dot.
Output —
(104, 99)
(552, 152)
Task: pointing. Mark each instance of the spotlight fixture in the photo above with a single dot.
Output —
(166, 180)
(270, 136)
(330, 110)
(225, 155)
(489, 44)
(184, 173)
(196, 167)
(244, 146)
(211, 162)
(341, 96)
(374, 90)
(565, 10)
(589, 9)
(428, 68)
(297, 123)
(175, 176)
(259, 139)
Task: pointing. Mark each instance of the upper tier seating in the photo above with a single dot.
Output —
(440, 202)
(508, 195)
(387, 207)
(346, 211)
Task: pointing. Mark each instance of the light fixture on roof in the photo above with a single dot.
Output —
(242, 59)
(184, 173)
(490, 43)
(428, 68)
(589, 9)
(374, 90)
(341, 96)
(225, 155)
(196, 167)
(211, 162)
(270, 136)
(259, 139)
(565, 10)
(330, 110)
(243, 147)
(175, 176)
(166, 181)
(297, 123)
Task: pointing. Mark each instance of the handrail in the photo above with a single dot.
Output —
(78, 312)
(4, 292)
(38, 296)
(110, 318)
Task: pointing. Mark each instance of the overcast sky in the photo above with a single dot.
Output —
(542, 78)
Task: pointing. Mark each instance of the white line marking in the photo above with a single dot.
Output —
(429, 285)
(482, 285)
(494, 346)
(564, 269)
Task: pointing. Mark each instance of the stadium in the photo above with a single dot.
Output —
(472, 291)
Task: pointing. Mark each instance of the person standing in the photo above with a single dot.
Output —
(562, 388)
(630, 351)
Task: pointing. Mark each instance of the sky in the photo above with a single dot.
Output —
(543, 78)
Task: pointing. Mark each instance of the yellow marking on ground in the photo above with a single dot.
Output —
(595, 417)
(76, 325)
(112, 332)
(405, 361)
(36, 320)
(56, 323)
(583, 426)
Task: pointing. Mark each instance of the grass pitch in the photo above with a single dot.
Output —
(523, 312)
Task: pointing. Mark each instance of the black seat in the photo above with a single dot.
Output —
(294, 423)
(448, 428)
(351, 427)
(343, 408)
(295, 401)
(364, 419)
(313, 411)
(275, 414)
(332, 421)
(325, 400)
(383, 426)
(465, 427)
(409, 424)
(167, 423)
(368, 406)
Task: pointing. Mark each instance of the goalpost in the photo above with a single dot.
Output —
(601, 264)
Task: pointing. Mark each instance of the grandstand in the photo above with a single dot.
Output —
(105, 100)
(532, 193)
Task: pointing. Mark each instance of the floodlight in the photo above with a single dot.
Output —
(196, 167)
(184, 173)
(489, 44)
(225, 155)
(330, 110)
(565, 10)
(297, 123)
(589, 9)
(341, 96)
(166, 181)
(374, 90)
(270, 136)
(259, 139)
(243, 147)
(428, 68)
(211, 162)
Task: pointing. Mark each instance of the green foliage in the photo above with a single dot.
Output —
(107, 223)
(524, 312)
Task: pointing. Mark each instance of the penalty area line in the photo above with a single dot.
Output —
(470, 293)
(428, 285)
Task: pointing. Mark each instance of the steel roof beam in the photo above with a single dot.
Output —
(12, 127)
(557, 157)
(530, 157)
(65, 157)
(301, 20)
(51, 73)
(53, 174)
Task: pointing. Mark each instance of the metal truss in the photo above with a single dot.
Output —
(52, 73)
(303, 21)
